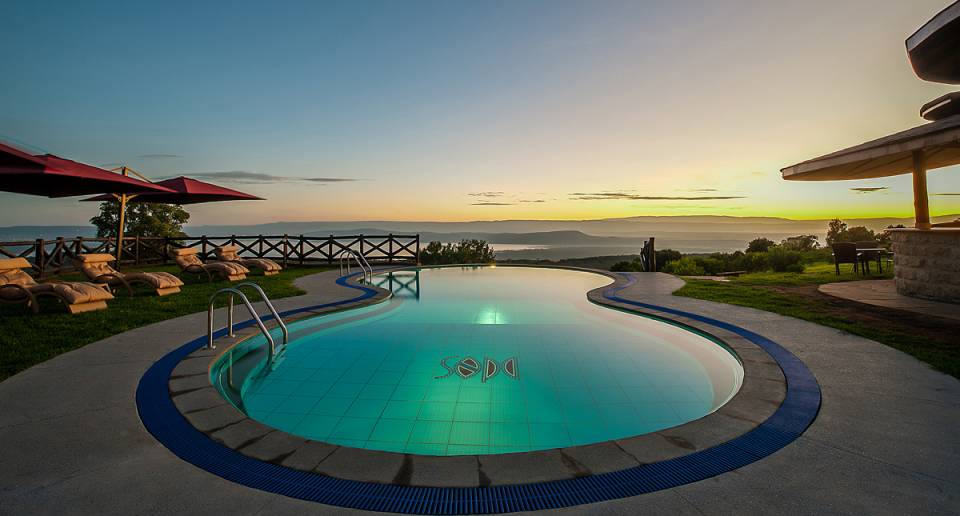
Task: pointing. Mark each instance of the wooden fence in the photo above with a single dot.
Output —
(52, 257)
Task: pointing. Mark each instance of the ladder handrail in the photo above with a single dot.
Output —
(243, 297)
(273, 310)
(346, 254)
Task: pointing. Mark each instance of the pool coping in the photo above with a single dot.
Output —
(778, 400)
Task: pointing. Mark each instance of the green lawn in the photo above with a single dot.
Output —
(929, 339)
(27, 339)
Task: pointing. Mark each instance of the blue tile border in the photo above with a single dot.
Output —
(798, 410)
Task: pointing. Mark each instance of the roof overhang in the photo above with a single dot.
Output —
(888, 156)
(933, 48)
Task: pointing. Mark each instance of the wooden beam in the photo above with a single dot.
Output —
(921, 204)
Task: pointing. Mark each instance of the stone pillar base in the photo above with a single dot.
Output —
(927, 263)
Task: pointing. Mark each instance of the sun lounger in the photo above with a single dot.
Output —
(189, 262)
(96, 267)
(16, 286)
(228, 253)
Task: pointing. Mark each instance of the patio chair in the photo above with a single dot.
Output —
(189, 262)
(846, 252)
(96, 267)
(868, 254)
(16, 286)
(228, 253)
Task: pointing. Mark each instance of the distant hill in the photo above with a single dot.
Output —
(559, 239)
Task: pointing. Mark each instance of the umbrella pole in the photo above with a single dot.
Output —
(120, 217)
(921, 205)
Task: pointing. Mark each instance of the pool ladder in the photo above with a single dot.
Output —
(235, 290)
(365, 268)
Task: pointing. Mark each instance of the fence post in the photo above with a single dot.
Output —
(58, 254)
(284, 250)
(330, 248)
(418, 248)
(165, 249)
(301, 250)
(203, 247)
(390, 248)
(260, 246)
(361, 244)
(233, 239)
(653, 257)
(136, 250)
(38, 258)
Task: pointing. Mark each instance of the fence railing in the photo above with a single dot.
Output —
(53, 257)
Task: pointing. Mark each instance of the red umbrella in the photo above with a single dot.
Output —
(183, 190)
(52, 176)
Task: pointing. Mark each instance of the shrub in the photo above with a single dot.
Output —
(464, 251)
(665, 256)
(684, 267)
(784, 260)
(626, 266)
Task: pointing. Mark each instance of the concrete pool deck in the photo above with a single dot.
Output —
(884, 441)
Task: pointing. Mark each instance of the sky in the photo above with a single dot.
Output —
(455, 110)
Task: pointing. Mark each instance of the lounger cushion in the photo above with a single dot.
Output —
(230, 268)
(156, 280)
(76, 292)
(263, 264)
(16, 277)
(227, 253)
(12, 264)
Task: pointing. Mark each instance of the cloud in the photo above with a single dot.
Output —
(703, 190)
(492, 204)
(159, 156)
(869, 189)
(622, 196)
(531, 200)
(486, 194)
(947, 193)
(244, 176)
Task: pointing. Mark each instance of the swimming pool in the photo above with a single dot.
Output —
(481, 360)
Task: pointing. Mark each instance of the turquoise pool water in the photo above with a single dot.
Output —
(478, 360)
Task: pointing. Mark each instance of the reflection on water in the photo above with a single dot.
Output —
(401, 283)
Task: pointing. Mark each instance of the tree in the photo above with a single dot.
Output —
(801, 243)
(858, 234)
(760, 245)
(884, 237)
(836, 228)
(142, 219)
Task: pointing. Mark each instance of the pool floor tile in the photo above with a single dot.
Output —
(366, 408)
(436, 411)
(392, 430)
(409, 392)
(297, 404)
(286, 421)
(332, 406)
(354, 428)
(477, 412)
(509, 434)
(470, 433)
(396, 409)
(316, 427)
(433, 432)
(376, 392)
(549, 435)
